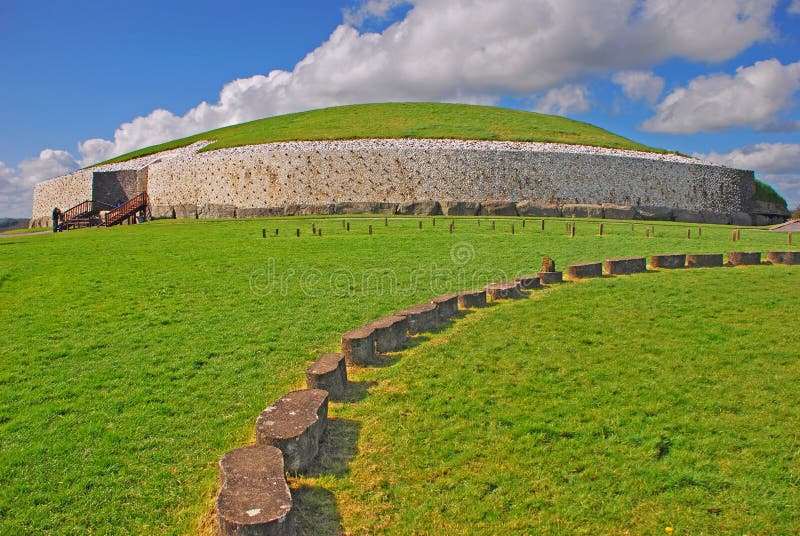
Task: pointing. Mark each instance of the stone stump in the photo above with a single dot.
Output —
(358, 346)
(329, 373)
(447, 306)
(704, 260)
(390, 333)
(585, 270)
(625, 266)
(783, 257)
(668, 260)
(549, 278)
(504, 290)
(295, 424)
(421, 318)
(254, 497)
(529, 282)
(744, 258)
(472, 298)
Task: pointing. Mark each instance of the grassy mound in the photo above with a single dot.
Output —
(404, 120)
(127, 373)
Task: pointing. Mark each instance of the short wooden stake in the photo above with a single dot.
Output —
(542, 225)
(451, 228)
(492, 225)
(688, 233)
(298, 232)
(319, 231)
(652, 230)
(790, 238)
(601, 229)
(647, 233)
(370, 229)
(348, 227)
(314, 228)
(733, 235)
(631, 227)
(263, 233)
(276, 232)
(434, 222)
(572, 231)
(699, 231)
(343, 223)
(512, 228)
(386, 222)
(420, 224)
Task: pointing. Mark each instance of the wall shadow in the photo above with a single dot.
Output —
(357, 391)
(315, 512)
(338, 448)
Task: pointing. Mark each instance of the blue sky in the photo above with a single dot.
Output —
(85, 80)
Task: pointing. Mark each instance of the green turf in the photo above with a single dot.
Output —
(134, 357)
(404, 120)
(616, 406)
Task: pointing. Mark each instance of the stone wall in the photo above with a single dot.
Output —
(396, 171)
(112, 187)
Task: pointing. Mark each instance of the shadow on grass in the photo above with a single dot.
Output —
(315, 511)
(357, 391)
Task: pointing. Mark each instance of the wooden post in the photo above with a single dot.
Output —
(652, 230)
(542, 225)
(572, 231)
(314, 228)
(263, 233)
(647, 233)
(523, 224)
(298, 232)
(479, 223)
(343, 223)
(348, 227)
(420, 224)
(512, 228)
(699, 231)
(370, 229)
(434, 222)
(492, 225)
(733, 236)
(631, 227)
(790, 238)
(601, 229)
(386, 222)
(276, 232)
(688, 233)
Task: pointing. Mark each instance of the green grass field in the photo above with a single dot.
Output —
(134, 357)
(404, 120)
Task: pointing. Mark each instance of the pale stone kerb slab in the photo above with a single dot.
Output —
(358, 346)
(784, 257)
(584, 270)
(625, 266)
(329, 373)
(460, 208)
(186, 212)
(420, 208)
(421, 318)
(260, 212)
(654, 213)
(704, 260)
(254, 498)
(162, 212)
(469, 299)
(498, 208)
(668, 260)
(619, 212)
(504, 290)
(216, 211)
(579, 210)
(295, 424)
(539, 210)
(744, 258)
(447, 306)
(390, 333)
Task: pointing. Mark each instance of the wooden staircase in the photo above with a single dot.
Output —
(130, 209)
(85, 214)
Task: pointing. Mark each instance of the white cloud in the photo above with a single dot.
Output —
(16, 185)
(640, 85)
(755, 96)
(467, 51)
(775, 163)
(794, 7)
(564, 100)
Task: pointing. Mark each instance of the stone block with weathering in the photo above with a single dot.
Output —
(390, 333)
(783, 257)
(744, 258)
(584, 270)
(472, 298)
(703, 260)
(421, 318)
(254, 497)
(329, 373)
(504, 290)
(358, 346)
(668, 260)
(295, 424)
(625, 266)
(446, 306)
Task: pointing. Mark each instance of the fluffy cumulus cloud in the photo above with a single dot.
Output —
(564, 100)
(472, 51)
(16, 185)
(640, 85)
(755, 96)
(467, 51)
(775, 163)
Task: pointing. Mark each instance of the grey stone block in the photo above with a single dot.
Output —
(716, 217)
(446, 306)
(654, 213)
(186, 212)
(472, 298)
(741, 219)
(358, 346)
(295, 424)
(421, 318)
(162, 212)
(580, 210)
(216, 211)
(309, 210)
(258, 212)
(365, 207)
(529, 282)
(625, 266)
(744, 258)
(420, 208)
(550, 278)
(504, 290)
(390, 333)
(704, 260)
(784, 257)
(585, 270)
(687, 216)
(619, 212)
(460, 208)
(668, 260)
(329, 373)
(540, 210)
(498, 208)
(254, 497)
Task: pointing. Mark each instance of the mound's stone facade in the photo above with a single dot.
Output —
(382, 175)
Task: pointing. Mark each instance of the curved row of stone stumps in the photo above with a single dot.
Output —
(254, 498)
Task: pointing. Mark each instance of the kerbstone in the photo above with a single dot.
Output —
(390, 333)
(704, 260)
(295, 424)
(186, 212)
(504, 290)
(581, 210)
(498, 208)
(358, 346)
(460, 208)
(744, 258)
(783, 257)
(216, 211)
(540, 210)
(420, 208)
(329, 373)
(668, 260)
(254, 498)
(162, 212)
(585, 270)
(472, 298)
(625, 266)
(446, 306)
(421, 318)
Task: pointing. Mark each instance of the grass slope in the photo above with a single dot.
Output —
(404, 120)
(134, 357)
